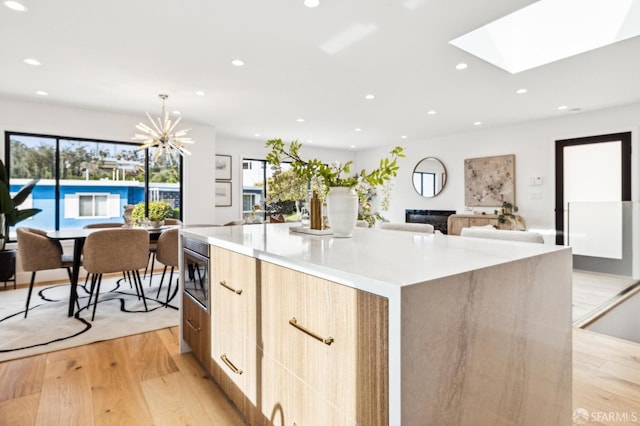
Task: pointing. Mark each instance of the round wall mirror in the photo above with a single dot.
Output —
(429, 177)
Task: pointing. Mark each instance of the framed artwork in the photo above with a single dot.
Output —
(223, 167)
(223, 194)
(490, 181)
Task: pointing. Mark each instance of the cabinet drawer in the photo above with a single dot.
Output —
(196, 330)
(333, 337)
(288, 401)
(234, 290)
(234, 365)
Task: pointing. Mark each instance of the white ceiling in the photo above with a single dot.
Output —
(119, 55)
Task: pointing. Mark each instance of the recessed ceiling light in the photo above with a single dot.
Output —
(549, 30)
(41, 93)
(16, 6)
(257, 135)
(521, 91)
(403, 137)
(461, 66)
(431, 112)
(32, 61)
(309, 141)
(300, 120)
(200, 93)
(370, 96)
(237, 62)
(358, 129)
(312, 3)
(176, 112)
(477, 123)
(562, 107)
(352, 146)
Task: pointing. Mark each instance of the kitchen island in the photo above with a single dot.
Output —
(386, 327)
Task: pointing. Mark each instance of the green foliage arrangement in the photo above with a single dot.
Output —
(158, 210)
(9, 213)
(321, 176)
(332, 175)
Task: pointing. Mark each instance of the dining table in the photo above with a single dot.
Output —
(79, 235)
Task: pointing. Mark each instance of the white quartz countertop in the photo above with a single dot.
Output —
(375, 260)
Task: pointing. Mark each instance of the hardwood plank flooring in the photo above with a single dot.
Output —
(606, 378)
(108, 383)
(134, 380)
(66, 389)
(592, 291)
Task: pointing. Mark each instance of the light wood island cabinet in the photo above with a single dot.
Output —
(388, 328)
(315, 348)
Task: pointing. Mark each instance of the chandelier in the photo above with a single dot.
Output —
(163, 135)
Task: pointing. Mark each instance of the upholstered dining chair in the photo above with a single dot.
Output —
(115, 250)
(101, 225)
(37, 252)
(411, 227)
(153, 247)
(167, 254)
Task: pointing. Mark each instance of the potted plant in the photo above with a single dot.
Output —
(158, 212)
(344, 192)
(10, 216)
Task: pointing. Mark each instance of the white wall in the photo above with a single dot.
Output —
(533, 144)
(50, 119)
(255, 149)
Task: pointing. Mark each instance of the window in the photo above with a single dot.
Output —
(84, 181)
(92, 205)
(263, 188)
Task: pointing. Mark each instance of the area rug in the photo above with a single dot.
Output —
(48, 328)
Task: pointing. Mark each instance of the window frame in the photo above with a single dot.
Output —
(57, 140)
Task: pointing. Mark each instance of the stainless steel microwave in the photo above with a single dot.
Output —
(195, 271)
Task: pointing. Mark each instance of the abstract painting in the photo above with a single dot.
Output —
(490, 181)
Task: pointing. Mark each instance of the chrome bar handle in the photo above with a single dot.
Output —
(325, 340)
(233, 368)
(224, 284)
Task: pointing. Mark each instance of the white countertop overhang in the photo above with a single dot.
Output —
(374, 260)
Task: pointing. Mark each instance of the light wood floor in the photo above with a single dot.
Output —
(592, 290)
(135, 380)
(142, 379)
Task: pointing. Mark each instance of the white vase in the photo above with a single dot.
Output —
(342, 209)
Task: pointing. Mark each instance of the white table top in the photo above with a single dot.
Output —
(375, 260)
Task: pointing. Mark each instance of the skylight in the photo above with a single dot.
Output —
(551, 30)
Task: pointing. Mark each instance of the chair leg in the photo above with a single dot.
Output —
(153, 261)
(169, 287)
(95, 303)
(127, 278)
(164, 271)
(94, 279)
(147, 267)
(33, 278)
(136, 278)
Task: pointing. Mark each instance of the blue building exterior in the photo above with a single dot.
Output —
(83, 202)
